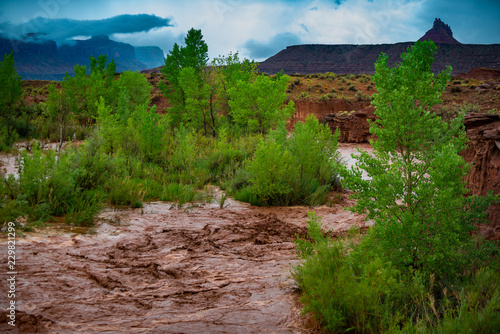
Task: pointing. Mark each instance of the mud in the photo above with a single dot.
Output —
(200, 269)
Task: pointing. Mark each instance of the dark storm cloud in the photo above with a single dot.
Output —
(260, 50)
(62, 29)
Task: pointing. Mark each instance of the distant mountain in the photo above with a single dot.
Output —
(151, 56)
(44, 60)
(360, 59)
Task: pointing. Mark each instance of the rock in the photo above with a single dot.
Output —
(321, 109)
(151, 56)
(45, 60)
(484, 86)
(483, 155)
(481, 74)
(353, 126)
(359, 59)
(440, 33)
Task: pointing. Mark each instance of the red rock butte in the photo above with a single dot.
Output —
(440, 33)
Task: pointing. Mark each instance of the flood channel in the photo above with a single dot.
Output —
(163, 269)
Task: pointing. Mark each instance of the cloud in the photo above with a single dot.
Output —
(63, 29)
(262, 50)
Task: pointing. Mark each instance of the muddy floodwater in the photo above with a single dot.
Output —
(161, 269)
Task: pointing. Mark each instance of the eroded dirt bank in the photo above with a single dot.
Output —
(161, 270)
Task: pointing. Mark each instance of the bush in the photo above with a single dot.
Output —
(348, 286)
(296, 170)
(49, 187)
(124, 192)
(343, 295)
(84, 207)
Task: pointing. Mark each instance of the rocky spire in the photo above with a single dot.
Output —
(440, 33)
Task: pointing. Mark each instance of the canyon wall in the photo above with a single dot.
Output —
(482, 154)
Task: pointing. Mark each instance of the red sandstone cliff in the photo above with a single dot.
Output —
(483, 155)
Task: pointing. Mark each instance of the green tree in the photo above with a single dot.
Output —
(110, 127)
(415, 189)
(101, 83)
(194, 55)
(259, 105)
(200, 100)
(10, 94)
(62, 105)
(137, 87)
(150, 131)
(300, 168)
(227, 72)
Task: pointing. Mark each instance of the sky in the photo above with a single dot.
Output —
(255, 29)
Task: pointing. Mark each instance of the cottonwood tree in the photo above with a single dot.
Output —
(259, 105)
(10, 94)
(193, 55)
(62, 104)
(415, 191)
(227, 72)
(200, 100)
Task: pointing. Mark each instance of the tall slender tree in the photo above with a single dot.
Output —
(10, 94)
(193, 55)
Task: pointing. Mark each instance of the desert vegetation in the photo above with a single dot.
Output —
(420, 268)
(224, 123)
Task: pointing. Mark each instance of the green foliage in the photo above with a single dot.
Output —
(199, 104)
(259, 105)
(137, 88)
(124, 192)
(194, 55)
(109, 127)
(229, 93)
(10, 94)
(150, 131)
(300, 169)
(415, 191)
(48, 187)
(273, 170)
(349, 286)
(316, 236)
(85, 206)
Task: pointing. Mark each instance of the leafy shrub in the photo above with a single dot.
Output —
(272, 169)
(348, 286)
(325, 97)
(178, 193)
(124, 192)
(84, 207)
(296, 170)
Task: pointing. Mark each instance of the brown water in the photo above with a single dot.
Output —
(199, 269)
